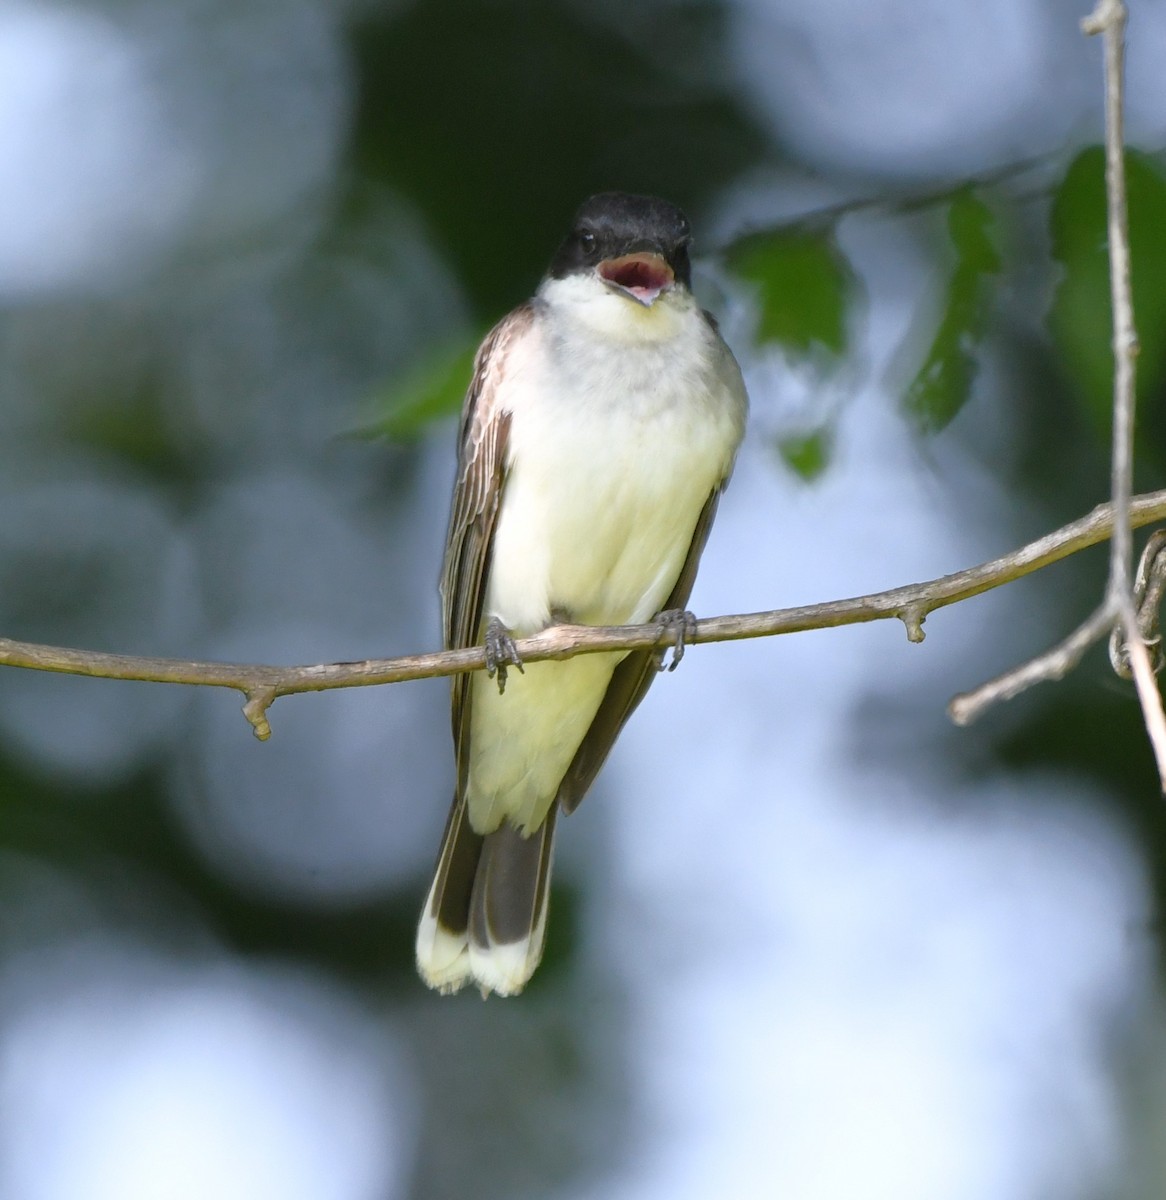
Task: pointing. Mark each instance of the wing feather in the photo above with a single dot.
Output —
(482, 451)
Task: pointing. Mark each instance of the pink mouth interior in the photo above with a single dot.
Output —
(644, 275)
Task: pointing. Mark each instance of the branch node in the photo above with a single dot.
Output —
(1105, 14)
(255, 710)
(913, 617)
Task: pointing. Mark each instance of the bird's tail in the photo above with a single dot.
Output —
(485, 918)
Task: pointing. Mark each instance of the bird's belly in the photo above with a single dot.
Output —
(523, 741)
(596, 523)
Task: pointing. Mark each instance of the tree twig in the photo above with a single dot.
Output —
(261, 684)
(1109, 19)
(1118, 613)
(1055, 663)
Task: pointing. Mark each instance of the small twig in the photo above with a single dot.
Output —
(1149, 592)
(261, 684)
(1052, 664)
(1149, 697)
(1109, 19)
(258, 702)
(1118, 614)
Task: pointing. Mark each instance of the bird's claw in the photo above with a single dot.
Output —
(681, 622)
(501, 652)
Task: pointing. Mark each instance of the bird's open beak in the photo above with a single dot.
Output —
(643, 277)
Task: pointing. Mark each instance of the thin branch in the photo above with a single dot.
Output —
(1118, 614)
(1109, 19)
(261, 685)
(1052, 664)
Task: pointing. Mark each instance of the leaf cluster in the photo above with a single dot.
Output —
(807, 297)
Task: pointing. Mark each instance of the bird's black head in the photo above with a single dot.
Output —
(619, 234)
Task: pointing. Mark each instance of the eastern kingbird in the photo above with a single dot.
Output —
(597, 434)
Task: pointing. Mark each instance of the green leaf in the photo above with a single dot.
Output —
(433, 389)
(1080, 320)
(803, 284)
(942, 385)
(807, 454)
(969, 222)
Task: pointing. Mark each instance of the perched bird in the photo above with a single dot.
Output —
(597, 434)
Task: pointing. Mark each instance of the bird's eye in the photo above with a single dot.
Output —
(587, 241)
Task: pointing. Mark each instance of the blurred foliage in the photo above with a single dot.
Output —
(128, 831)
(807, 454)
(804, 287)
(1081, 314)
(432, 389)
(1091, 728)
(943, 383)
(499, 119)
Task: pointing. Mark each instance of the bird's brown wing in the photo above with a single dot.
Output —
(631, 680)
(477, 497)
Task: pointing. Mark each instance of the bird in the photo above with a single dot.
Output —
(598, 432)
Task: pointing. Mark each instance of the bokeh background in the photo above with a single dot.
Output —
(808, 940)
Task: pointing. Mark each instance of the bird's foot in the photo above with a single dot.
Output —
(501, 652)
(683, 624)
